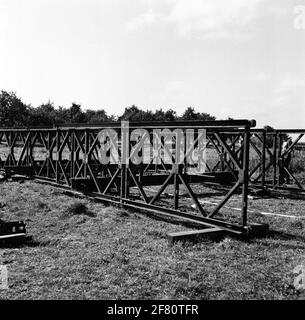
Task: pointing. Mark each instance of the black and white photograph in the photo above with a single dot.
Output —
(152, 153)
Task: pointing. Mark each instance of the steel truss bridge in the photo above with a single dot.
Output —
(237, 157)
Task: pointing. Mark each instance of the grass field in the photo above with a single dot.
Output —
(85, 250)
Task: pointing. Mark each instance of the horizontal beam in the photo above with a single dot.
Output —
(196, 235)
(217, 124)
(170, 124)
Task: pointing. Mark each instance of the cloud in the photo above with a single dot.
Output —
(211, 16)
(177, 94)
(288, 101)
(198, 17)
(288, 86)
(145, 19)
(261, 76)
(174, 91)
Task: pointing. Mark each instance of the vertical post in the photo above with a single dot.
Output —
(279, 165)
(223, 155)
(30, 151)
(124, 159)
(77, 149)
(86, 156)
(123, 177)
(274, 162)
(127, 171)
(264, 159)
(49, 154)
(176, 191)
(10, 149)
(245, 175)
(27, 161)
(184, 152)
(72, 153)
(126, 182)
(176, 167)
(57, 154)
(233, 151)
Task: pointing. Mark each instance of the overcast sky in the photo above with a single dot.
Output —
(238, 58)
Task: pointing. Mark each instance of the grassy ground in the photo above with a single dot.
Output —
(91, 251)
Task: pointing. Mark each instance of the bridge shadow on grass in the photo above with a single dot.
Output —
(281, 235)
(281, 239)
(277, 194)
(287, 195)
(170, 220)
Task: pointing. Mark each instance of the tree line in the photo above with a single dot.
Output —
(15, 113)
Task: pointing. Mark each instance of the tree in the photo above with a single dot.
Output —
(133, 113)
(76, 114)
(13, 112)
(190, 114)
(159, 115)
(98, 116)
(44, 115)
(170, 115)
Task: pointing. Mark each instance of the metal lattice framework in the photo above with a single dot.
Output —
(273, 159)
(238, 156)
(269, 160)
(68, 156)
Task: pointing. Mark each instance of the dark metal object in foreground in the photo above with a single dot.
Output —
(10, 231)
(256, 230)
